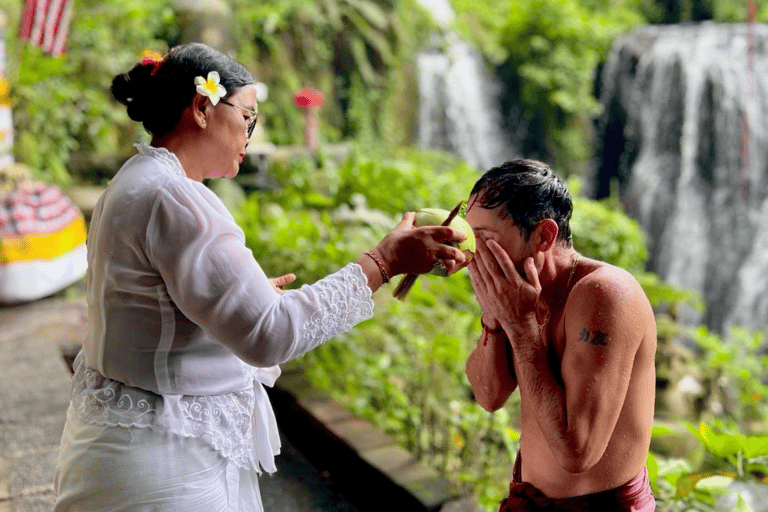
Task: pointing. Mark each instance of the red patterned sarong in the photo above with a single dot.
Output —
(633, 496)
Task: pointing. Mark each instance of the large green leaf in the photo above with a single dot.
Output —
(687, 482)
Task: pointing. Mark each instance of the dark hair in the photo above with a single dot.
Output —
(529, 192)
(156, 97)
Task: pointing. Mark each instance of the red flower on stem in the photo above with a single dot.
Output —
(310, 99)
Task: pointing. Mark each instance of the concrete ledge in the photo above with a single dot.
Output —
(365, 464)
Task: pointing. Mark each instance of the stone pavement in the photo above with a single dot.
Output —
(330, 462)
(34, 393)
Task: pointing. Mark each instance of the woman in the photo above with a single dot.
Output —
(168, 408)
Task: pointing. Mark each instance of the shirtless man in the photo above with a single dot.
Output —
(577, 337)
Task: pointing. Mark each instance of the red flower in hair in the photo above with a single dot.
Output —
(152, 57)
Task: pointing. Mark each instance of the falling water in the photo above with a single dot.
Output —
(685, 134)
(459, 99)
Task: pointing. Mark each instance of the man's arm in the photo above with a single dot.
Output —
(603, 330)
(490, 370)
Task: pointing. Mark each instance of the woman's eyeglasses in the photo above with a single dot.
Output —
(251, 121)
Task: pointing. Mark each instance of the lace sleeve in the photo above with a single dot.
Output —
(303, 319)
(212, 277)
(343, 299)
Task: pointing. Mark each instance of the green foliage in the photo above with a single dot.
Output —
(668, 295)
(481, 23)
(740, 450)
(364, 198)
(357, 52)
(733, 373)
(667, 475)
(664, 475)
(62, 105)
(732, 456)
(410, 180)
(609, 235)
(548, 51)
(730, 409)
(554, 48)
(736, 11)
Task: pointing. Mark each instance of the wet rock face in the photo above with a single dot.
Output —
(684, 137)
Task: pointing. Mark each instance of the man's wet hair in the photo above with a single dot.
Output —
(529, 192)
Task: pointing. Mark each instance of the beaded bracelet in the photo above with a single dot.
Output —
(384, 273)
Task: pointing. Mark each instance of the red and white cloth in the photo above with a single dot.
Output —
(34, 210)
(42, 242)
(46, 24)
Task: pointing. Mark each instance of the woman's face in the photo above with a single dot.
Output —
(228, 126)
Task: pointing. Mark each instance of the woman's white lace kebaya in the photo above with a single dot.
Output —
(184, 328)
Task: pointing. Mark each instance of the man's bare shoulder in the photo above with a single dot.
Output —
(607, 291)
(599, 277)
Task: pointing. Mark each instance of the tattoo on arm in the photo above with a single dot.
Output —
(598, 338)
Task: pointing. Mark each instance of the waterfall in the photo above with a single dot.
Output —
(459, 99)
(685, 135)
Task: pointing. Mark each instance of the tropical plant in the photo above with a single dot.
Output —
(732, 373)
(62, 106)
(547, 53)
(731, 457)
(357, 52)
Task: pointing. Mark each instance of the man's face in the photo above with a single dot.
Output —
(492, 225)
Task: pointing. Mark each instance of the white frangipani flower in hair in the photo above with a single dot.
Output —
(211, 87)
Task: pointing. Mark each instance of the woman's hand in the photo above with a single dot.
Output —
(411, 250)
(278, 282)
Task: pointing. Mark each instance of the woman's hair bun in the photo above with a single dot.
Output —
(155, 94)
(132, 90)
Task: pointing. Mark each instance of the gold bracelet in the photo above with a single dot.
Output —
(384, 273)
